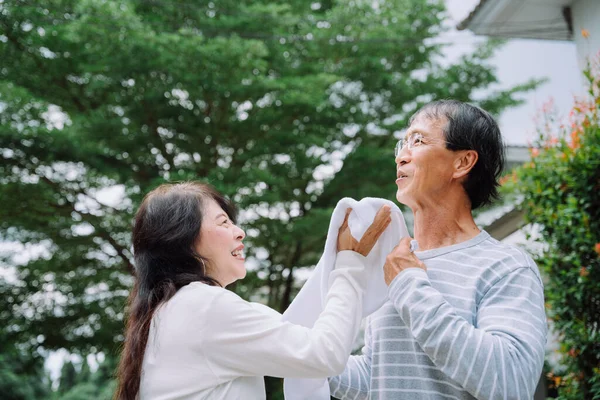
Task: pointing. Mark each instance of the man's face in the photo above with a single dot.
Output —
(424, 170)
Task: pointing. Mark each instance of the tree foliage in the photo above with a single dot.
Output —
(284, 106)
(561, 189)
(22, 376)
(78, 382)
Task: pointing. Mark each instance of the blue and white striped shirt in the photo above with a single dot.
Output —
(472, 326)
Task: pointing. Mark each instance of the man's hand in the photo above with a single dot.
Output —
(347, 242)
(399, 259)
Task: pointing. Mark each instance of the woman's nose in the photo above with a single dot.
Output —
(239, 233)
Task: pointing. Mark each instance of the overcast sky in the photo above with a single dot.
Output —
(518, 61)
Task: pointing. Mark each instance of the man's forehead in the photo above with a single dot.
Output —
(425, 122)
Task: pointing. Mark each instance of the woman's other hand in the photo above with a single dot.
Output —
(346, 241)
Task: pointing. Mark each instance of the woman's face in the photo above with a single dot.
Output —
(221, 243)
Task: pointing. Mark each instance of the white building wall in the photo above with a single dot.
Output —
(586, 15)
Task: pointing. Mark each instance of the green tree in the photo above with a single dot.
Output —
(68, 377)
(17, 383)
(284, 106)
(80, 383)
(22, 375)
(561, 189)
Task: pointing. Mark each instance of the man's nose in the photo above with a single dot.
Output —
(403, 156)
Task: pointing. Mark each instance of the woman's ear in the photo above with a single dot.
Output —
(464, 163)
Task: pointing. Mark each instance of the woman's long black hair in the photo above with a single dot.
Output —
(165, 234)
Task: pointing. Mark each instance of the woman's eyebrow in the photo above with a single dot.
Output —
(222, 215)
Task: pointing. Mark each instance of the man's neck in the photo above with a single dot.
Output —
(442, 225)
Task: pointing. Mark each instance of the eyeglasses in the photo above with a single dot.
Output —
(414, 140)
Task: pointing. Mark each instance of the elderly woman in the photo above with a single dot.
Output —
(189, 338)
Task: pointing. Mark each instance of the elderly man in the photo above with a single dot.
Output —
(465, 317)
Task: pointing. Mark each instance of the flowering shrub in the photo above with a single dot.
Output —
(561, 191)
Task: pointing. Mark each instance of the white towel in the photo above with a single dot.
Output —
(309, 302)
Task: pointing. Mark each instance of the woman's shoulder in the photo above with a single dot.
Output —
(222, 301)
(201, 290)
(206, 294)
(195, 297)
(199, 302)
(265, 309)
(217, 302)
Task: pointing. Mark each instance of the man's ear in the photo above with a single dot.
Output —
(464, 163)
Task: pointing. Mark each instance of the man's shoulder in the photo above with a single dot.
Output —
(505, 251)
(506, 259)
(484, 259)
(485, 251)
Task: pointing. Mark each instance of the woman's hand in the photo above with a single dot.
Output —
(345, 240)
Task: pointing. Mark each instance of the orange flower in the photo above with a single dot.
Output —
(586, 122)
(583, 272)
(575, 139)
(597, 248)
(534, 152)
(557, 380)
(551, 142)
(574, 144)
(585, 33)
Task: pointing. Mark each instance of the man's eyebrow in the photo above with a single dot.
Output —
(419, 131)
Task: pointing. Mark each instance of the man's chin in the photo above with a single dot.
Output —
(401, 197)
(404, 199)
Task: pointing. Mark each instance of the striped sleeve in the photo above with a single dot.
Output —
(354, 382)
(502, 354)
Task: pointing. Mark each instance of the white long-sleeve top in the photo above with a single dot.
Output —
(208, 343)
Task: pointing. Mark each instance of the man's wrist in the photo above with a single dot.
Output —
(398, 284)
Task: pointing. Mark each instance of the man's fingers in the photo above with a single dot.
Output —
(405, 242)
